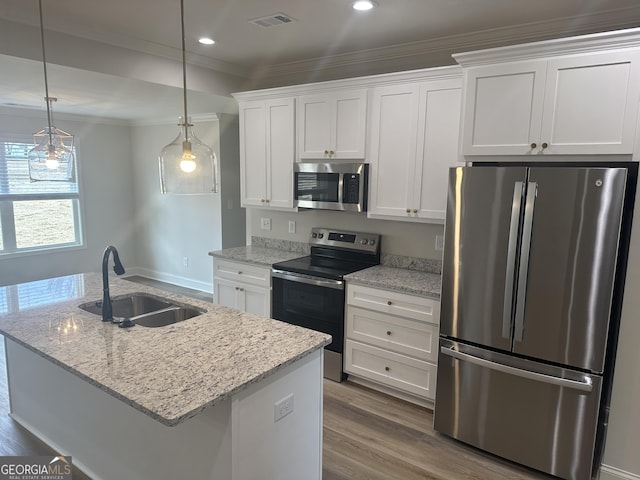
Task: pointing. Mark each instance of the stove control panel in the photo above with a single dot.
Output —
(367, 242)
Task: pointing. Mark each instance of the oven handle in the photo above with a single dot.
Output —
(309, 279)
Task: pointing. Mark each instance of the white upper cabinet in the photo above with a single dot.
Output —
(580, 104)
(332, 125)
(413, 142)
(267, 148)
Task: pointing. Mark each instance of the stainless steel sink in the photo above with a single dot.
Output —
(165, 317)
(144, 310)
(127, 306)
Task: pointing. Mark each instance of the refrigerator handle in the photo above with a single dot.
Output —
(527, 225)
(585, 386)
(507, 313)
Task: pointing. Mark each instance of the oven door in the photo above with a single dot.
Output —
(314, 303)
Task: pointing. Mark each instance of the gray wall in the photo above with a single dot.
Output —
(398, 238)
(172, 227)
(103, 155)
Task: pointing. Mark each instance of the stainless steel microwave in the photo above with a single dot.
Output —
(331, 186)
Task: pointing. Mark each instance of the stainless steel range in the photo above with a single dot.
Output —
(309, 291)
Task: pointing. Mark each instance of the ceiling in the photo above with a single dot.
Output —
(326, 39)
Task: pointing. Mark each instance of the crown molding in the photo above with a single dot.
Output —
(370, 81)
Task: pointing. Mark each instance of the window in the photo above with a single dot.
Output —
(34, 215)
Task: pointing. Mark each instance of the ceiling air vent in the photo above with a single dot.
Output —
(272, 20)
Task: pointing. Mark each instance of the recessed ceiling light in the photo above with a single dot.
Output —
(363, 5)
(206, 41)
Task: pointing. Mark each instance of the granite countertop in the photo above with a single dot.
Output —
(262, 256)
(399, 279)
(170, 373)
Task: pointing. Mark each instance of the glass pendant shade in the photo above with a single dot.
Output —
(188, 166)
(52, 159)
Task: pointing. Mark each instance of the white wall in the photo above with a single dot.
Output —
(106, 192)
(398, 238)
(171, 227)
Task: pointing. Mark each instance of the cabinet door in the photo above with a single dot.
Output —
(225, 293)
(438, 127)
(332, 125)
(255, 300)
(253, 153)
(394, 125)
(349, 132)
(281, 152)
(502, 112)
(591, 104)
(315, 124)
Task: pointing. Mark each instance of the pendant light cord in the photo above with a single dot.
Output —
(184, 70)
(46, 83)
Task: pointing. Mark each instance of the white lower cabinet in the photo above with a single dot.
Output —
(392, 340)
(242, 286)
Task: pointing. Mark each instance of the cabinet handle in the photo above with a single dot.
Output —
(326, 152)
(239, 272)
(386, 369)
(533, 145)
(415, 210)
(267, 200)
(389, 302)
(236, 288)
(389, 332)
(408, 210)
(331, 152)
(241, 289)
(544, 145)
(262, 200)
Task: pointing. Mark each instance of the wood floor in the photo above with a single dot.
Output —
(367, 436)
(371, 436)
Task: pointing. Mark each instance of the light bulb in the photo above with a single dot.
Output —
(188, 159)
(51, 160)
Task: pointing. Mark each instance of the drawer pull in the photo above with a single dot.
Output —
(388, 332)
(386, 369)
(533, 145)
(389, 302)
(239, 273)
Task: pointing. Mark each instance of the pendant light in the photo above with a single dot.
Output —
(52, 158)
(187, 166)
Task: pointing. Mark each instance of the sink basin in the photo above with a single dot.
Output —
(127, 306)
(144, 310)
(165, 317)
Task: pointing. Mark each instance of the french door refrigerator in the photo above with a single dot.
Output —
(533, 269)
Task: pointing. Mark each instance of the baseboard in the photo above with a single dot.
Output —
(612, 473)
(170, 278)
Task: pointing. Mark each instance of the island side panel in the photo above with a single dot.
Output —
(106, 437)
(289, 448)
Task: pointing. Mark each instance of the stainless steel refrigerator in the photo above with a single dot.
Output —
(533, 271)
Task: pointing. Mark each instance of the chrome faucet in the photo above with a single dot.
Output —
(107, 312)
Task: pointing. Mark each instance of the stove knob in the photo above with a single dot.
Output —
(314, 235)
(364, 241)
(321, 235)
(372, 242)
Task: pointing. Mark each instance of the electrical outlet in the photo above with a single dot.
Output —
(185, 262)
(439, 242)
(265, 223)
(283, 407)
(292, 226)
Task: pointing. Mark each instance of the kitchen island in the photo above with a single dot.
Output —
(194, 399)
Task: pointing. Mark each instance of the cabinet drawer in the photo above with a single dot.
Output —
(391, 369)
(242, 272)
(400, 335)
(394, 303)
